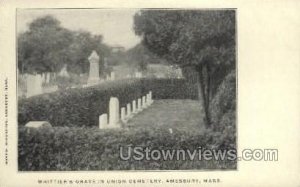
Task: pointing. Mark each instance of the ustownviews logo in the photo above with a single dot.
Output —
(145, 153)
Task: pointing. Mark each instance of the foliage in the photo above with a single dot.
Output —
(82, 46)
(69, 149)
(170, 88)
(47, 47)
(224, 105)
(43, 47)
(188, 37)
(204, 40)
(82, 106)
(139, 57)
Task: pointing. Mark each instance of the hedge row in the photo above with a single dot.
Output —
(223, 105)
(171, 88)
(75, 148)
(82, 106)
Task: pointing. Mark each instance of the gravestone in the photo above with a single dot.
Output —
(134, 110)
(38, 124)
(128, 110)
(144, 104)
(112, 76)
(63, 72)
(34, 85)
(107, 77)
(138, 75)
(43, 77)
(139, 108)
(103, 121)
(150, 97)
(114, 116)
(123, 114)
(47, 77)
(94, 69)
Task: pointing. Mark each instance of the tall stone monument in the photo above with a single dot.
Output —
(34, 85)
(94, 69)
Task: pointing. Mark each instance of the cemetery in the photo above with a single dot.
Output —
(76, 114)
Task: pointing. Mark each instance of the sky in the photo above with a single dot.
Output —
(115, 25)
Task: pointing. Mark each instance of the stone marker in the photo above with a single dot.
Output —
(43, 77)
(94, 69)
(107, 77)
(134, 110)
(123, 114)
(128, 115)
(47, 77)
(112, 76)
(150, 97)
(38, 124)
(139, 108)
(34, 85)
(138, 75)
(144, 104)
(103, 121)
(63, 72)
(114, 116)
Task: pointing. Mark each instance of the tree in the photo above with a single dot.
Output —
(203, 40)
(47, 47)
(81, 48)
(44, 47)
(139, 57)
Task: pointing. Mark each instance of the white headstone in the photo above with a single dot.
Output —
(103, 121)
(139, 108)
(34, 85)
(114, 116)
(94, 69)
(123, 114)
(38, 124)
(107, 77)
(63, 72)
(150, 97)
(47, 77)
(134, 110)
(144, 104)
(138, 74)
(128, 115)
(112, 76)
(43, 77)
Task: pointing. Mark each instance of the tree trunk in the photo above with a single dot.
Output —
(202, 96)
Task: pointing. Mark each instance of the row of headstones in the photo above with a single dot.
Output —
(115, 119)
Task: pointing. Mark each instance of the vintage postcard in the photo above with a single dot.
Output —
(150, 94)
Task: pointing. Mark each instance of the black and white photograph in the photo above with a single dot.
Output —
(149, 93)
(126, 89)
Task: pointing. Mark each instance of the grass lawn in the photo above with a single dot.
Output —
(182, 115)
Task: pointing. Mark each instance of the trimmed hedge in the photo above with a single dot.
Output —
(82, 106)
(223, 107)
(69, 149)
(171, 88)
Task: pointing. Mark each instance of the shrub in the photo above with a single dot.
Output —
(76, 148)
(171, 88)
(223, 109)
(82, 106)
